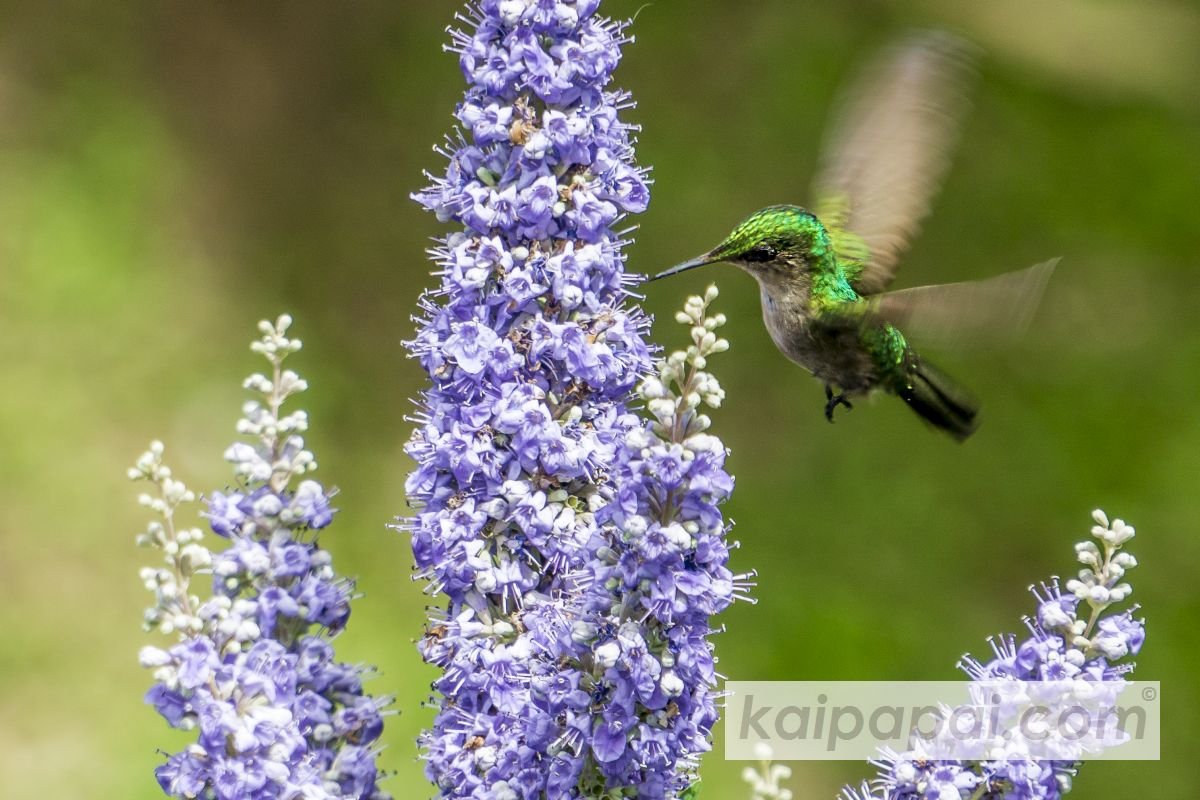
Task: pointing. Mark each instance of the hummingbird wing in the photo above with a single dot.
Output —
(971, 311)
(887, 150)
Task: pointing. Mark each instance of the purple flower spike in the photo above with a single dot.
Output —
(253, 673)
(1075, 636)
(579, 547)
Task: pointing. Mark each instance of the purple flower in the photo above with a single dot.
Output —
(578, 586)
(184, 775)
(276, 716)
(470, 345)
(169, 703)
(1073, 637)
(273, 602)
(224, 512)
(290, 560)
(311, 504)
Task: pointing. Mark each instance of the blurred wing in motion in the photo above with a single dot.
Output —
(887, 151)
(952, 314)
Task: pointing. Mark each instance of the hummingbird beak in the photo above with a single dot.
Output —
(703, 260)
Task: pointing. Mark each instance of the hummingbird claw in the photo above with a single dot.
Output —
(832, 402)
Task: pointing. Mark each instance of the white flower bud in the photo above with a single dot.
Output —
(662, 408)
(704, 443)
(514, 490)
(1113, 647)
(567, 18)
(1051, 616)
(635, 526)
(485, 757)
(677, 536)
(485, 581)
(196, 556)
(1120, 533)
(276, 770)
(606, 655)
(637, 439)
(153, 657)
(565, 519)
(269, 505)
(225, 567)
(256, 560)
(583, 632)
(671, 684)
(247, 631)
(652, 389)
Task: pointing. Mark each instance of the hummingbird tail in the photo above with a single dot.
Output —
(941, 401)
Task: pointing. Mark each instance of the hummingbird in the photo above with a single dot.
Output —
(822, 273)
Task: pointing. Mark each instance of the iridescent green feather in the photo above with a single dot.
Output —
(851, 249)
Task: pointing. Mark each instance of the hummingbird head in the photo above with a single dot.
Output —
(773, 243)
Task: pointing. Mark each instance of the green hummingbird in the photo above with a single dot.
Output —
(822, 273)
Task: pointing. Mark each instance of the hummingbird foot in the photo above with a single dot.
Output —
(833, 401)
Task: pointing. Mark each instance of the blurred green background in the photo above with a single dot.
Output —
(172, 172)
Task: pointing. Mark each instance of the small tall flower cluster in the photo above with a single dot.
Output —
(571, 642)
(1075, 635)
(766, 778)
(254, 671)
(658, 577)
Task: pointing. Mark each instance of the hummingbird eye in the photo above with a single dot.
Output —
(763, 252)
